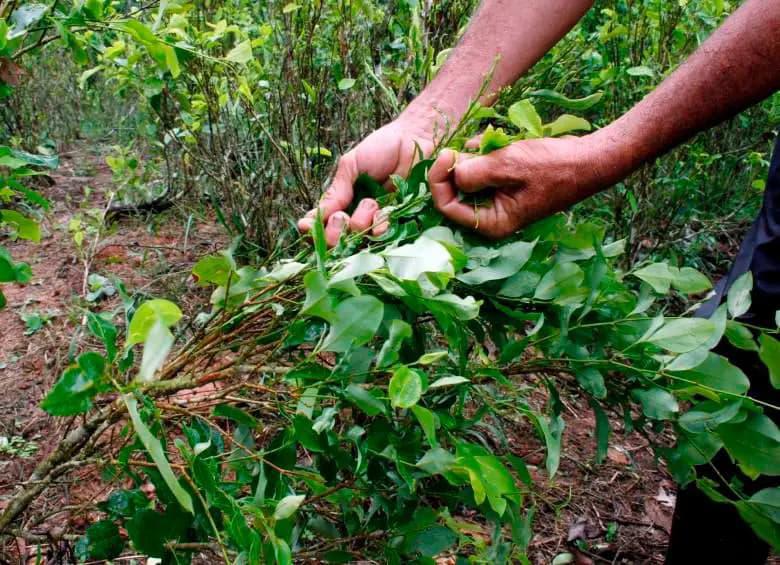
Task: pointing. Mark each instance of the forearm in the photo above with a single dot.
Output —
(514, 33)
(736, 67)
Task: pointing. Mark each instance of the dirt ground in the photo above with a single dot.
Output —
(148, 254)
(621, 511)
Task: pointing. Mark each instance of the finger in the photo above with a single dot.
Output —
(444, 193)
(381, 222)
(363, 216)
(337, 223)
(389, 185)
(339, 194)
(307, 222)
(480, 172)
(474, 142)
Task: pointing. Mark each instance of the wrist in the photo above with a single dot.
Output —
(431, 116)
(614, 154)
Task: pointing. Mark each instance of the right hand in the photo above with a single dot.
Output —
(390, 150)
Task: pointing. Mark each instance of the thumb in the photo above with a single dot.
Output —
(479, 172)
(444, 193)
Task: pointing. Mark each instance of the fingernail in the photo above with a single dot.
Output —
(339, 219)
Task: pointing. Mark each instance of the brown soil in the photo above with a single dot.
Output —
(621, 510)
(147, 254)
(617, 512)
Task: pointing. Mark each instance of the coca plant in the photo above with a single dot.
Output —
(364, 394)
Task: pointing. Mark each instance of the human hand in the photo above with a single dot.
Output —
(390, 150)
(531, 180)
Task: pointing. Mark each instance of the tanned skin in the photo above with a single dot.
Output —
(735, 68)
(518, 33)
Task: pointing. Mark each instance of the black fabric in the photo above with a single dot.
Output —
(704, 531)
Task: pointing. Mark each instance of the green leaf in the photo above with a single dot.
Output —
(689, 360)
(346, 83)
(147, 315)
(364, 400)
(601, 432)
(436, 461)
(241, 53)
(769, 501)
(320, 243)
(738, 299)
(430, 542)
(519, 285)
(762, 512)
(682, 334)
(552, 431)
(432, 358)
(288, 506)
(150, 531)
(689, 281)
(523, 115)
(105, 331)
(405, 388)
(715, 372)
(425, 255)
(214, 269)
(25, 227)
(389, 354)
(563, 277)
(592, 381)
(319, 302)
(707, 416)
(640, 71)
(428, 423)
(24, 17)
(510, 260)
(489, 479)
(8, 271)
(452, 380)
(657, 275)
(74, 391)
(454, 306)
(565, 124)
(237, 415)
(754, 443)
(94, 8)
(770, 355)
(284, 270)
(719, 318)
(101, 541)
(492, 140)
(657, 403)
(739, 336)
(355, 323)
(356, 266)
(35, 159)
(577, 104)
(157, 346)
(156, 452)
(124, 503)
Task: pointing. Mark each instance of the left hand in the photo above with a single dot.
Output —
(532, 179)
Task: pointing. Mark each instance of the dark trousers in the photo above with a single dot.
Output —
(704, 531)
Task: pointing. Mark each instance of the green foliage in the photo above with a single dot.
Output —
(79, 384)
(385, 394)
(15, 167)
(380, 376)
